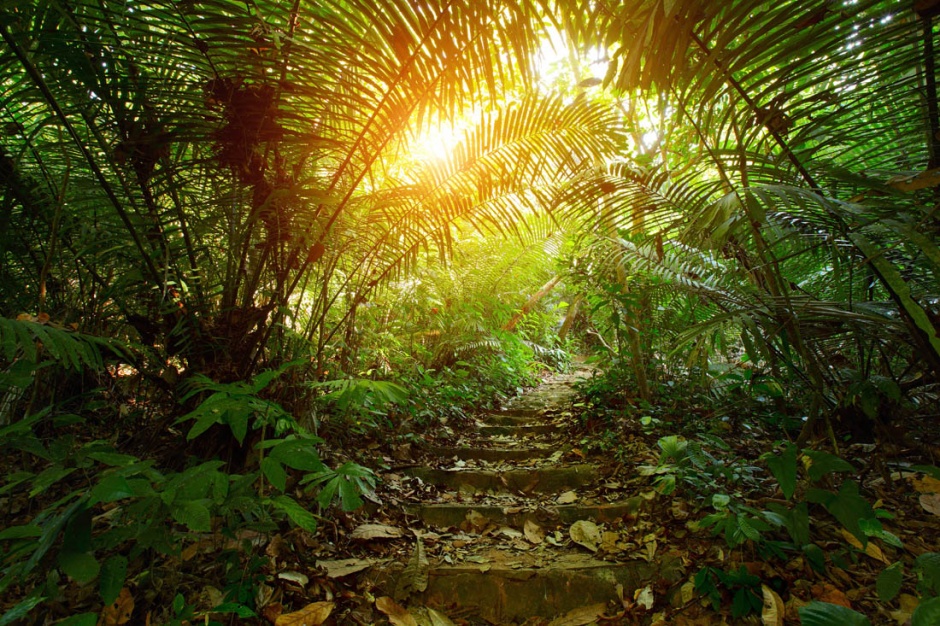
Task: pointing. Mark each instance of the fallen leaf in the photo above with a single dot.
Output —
(687, 591)
(908, 605)
(294, 577)
(585, 533)
(931, 502)
(118, 612)
(477, 521)
(871, 549)
(272, 611)
(311, 615)
(644, 597)
(397, 614)
(367, 532)
(344, 567)
(580, 616)
(415, 575)
(824, 592)
(429, 617)
(567, 497)
(534, 532)
(774, 609)
(927, 484)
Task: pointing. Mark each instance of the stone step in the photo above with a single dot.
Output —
(454, 515)
(504, 593)
(527, 481)
(492, 455)
(497, 419)
(528, 412)
(518, 431)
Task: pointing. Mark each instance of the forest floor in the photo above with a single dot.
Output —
(544, 514)
(509, 520)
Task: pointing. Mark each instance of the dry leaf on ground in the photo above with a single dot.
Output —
(580, 616)
(344, 567)
(927, 484)
(118, 612)
(871, 549)
(311, 615)
(397, 614)
(774, 609)
(367, 532)
(824, 592)
(585, 533)
(415, 575)
(568, 497)
(429, 617)
(533, 532)
(644, 597)
(931, 502)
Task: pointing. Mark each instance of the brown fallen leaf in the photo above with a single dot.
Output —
(397, 614)
(931, 502)
(824, 592)
(477, 521)
(415, 575)
(368, 532)
(118, 612)
(774, 609)
(429, 617)
(580, 616)
(927, 484)
(568, 497)
(533, 532)
(344, 567)
(870, 549)
(311, 615)
(585, 533)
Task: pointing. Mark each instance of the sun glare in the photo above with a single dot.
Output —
(436, 142)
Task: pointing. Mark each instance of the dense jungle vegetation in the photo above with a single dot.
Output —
(239, 238)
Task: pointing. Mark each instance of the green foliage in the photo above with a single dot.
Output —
(825, 614)
(744, 587)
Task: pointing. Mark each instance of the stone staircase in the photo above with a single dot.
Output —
(515, 526)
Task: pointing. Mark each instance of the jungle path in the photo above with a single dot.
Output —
(510, 524)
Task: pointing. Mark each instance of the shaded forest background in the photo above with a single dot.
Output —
(234, 236)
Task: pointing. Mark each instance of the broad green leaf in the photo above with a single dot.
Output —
(48, 478)
(113, 574)
(927, 613)
(349, 495)
(20, 611)
(80, 566)
(847, 506)
(889, 582)
(20, 532)
(298, 514)
(111, 488)
(275, 473)
(192, 514)
(825, 614)
(929, 565)
(822, 463)
(784, 467)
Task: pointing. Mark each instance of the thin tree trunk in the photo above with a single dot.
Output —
(541, 293)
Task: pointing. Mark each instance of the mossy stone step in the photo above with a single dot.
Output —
(496, 419)
(493, 455)
(504, 593)
(518, 431)
(534, 480)
(454, 515)
(521, 412)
